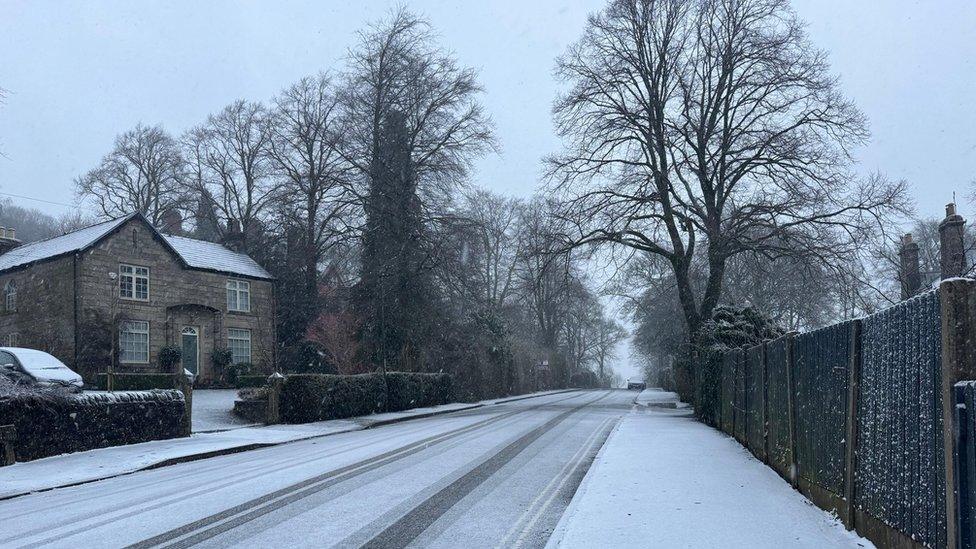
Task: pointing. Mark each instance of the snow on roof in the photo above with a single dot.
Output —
(200, 254)
(58, 245)
(197, 254)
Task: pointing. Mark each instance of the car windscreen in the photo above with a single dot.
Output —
(43, 366)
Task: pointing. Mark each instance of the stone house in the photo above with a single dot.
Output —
(117, 292)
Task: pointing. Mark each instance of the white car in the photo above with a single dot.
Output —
(36, 368)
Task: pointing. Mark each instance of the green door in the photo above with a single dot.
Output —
(191, 349)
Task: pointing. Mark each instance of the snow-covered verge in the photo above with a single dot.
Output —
(665, 480)
(82, 467)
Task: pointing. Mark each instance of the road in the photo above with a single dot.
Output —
(494, 476)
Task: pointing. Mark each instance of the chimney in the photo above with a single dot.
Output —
(233, 237)
(910, 274)
(8, 239)
(952, 247)
(172, 222)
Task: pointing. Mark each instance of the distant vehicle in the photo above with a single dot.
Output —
(31, 367)
(634, 384)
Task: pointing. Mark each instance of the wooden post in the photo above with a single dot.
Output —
(791, 407)
(8, 436)
(765, 406)
(958, 303)
(276, 382)
(853, 392)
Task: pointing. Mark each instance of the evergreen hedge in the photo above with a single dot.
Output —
(317, 397)
(136, 381)
(53, 422)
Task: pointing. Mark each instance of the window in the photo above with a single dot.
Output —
(134, 342)
(239, 343)
(10, 296)
(239, 296)
(12, 339)
(134, 282)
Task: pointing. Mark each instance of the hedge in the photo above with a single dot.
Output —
(317, 397)
(407, 390)
(50, 422)
(135, 382)
(252, 380)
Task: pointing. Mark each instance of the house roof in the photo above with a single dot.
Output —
(200, 254)
(195, 254)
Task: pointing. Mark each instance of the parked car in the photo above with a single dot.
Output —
(31, 367)
(634, 384)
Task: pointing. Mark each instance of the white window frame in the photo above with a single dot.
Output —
(127, 327)
(12, 339)
(238, 288)
(10, 296)
(239, 334)
(130, 272)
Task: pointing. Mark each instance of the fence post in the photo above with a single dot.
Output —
(791, 406)
(961, 426)
(853, 392)
(765, 407)
(275, 383)
(958, 303)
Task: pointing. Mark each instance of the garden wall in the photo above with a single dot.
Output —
(49, 423)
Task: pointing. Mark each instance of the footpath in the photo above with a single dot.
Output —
(665, 480)
(79, 468)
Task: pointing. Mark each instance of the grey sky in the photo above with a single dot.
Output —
(79, 73)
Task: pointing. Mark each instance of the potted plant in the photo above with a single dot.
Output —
(170, 358)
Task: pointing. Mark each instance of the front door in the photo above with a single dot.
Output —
(191, 349)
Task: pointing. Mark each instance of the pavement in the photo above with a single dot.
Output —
(665, 480)
(490, 476)
(84, 467)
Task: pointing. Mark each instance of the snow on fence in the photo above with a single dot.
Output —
(899, 460)
(859, 416)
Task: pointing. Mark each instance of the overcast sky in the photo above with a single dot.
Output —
(79, 73)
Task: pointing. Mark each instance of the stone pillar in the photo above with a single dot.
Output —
(952, 247)
(909, 273)
(275, 383)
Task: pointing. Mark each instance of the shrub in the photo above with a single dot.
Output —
(221, 357)
(252, 380)
(236, 371)
(407, 390)
(306, 357)
(135, 381)
(317, 397)
(584, 380)
(169, 358)
(52, 422)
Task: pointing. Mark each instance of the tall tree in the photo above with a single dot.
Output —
(712, 124)
(398, 68)
(313, 204)
(394, 293)
(143, 173)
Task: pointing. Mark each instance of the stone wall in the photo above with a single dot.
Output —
(44, 318)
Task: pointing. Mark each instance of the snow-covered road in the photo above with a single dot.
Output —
(493, 476)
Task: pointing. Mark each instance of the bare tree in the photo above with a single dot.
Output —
(495, 222)
(710, 124)
(398, 68)
(228, 159)
(313, 202)
(143, 173)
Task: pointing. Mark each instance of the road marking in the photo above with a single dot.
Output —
(545, 506)
(570, 464)
(406, 529)
(208, 527)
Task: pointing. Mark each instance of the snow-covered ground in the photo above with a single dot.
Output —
(213, 410)
(666, 480)
(82, 467)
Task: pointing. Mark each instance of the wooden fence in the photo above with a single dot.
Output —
(865, 418)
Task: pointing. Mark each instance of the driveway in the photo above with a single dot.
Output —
(213, 411)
